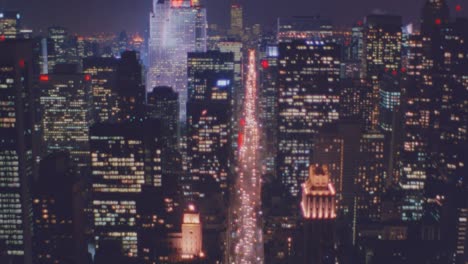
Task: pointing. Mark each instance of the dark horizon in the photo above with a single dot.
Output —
(88, 16)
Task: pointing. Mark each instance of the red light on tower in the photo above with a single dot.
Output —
(2, 38)
(438, 21)
(359, 23)
(403, 69)
(87, 77)
(265, 64)
(458, 8)
(44, 78)
(22, 63)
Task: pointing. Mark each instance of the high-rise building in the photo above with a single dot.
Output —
(382, 52)
(10, 25)
(163, 104)
(209, 110)
(318, 216)
(16, 149)
(124, 158)
(415, 160)
(59, 38)
(102, 72)
(177, 27)
(327, 150)
(66, 112)
(237, 21)
(369, 182)
(308, 99)
(268, 97)
(129, 87)
(390, 97)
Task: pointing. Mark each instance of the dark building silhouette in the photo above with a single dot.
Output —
(57, 198)
(130, 87)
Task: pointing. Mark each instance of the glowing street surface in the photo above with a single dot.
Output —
(248, 242)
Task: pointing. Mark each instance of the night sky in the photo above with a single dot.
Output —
(89, 16)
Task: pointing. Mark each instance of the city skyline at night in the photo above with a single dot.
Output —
(233, 132)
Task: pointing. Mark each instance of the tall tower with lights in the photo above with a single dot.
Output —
(177, 27)
(319, 213)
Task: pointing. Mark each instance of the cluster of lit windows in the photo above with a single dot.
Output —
(66, 115)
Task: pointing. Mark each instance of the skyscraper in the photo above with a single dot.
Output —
(268, 114)
(66, 112)
(237, 21)
(124, 158)
(16, 148)
(102, 72)
(382, 52)
(369, 182)
(318, 216)
(163, 104)
(308, 99)
(177, 27)
(130, 88)
(209, 110)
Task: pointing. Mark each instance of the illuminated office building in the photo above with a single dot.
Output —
(59, 38)
(370, 180)
(16, 149)
(103, 85)
(66, 112)
(237, 97)
(124, 158)
(389, 106)
(177, 27)
(209, 110)
(382, 44)
(10, 25)
(237, 21)
(382, 52)
(268, 104)
(415, 160)
(452, 79)
(318, 216)
(308, 99)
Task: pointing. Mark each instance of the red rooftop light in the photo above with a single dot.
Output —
(438, 21)
(458, 8)
(22, 63)
(2, 38)
(44, 78)
(265, 64)
(87, 77)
